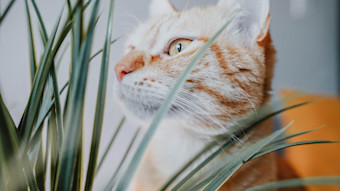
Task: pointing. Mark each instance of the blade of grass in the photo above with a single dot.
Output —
(101, 50)
(286, 145)
(100, 106)
(76, 36)
(87, 4)
(29, 175)
(57, 103)
(9, 147)
(12, 164)
(3, 170)
(238, 161)
(264, 115)
(3, 15)
(123, 184)
(66, 29)
(74, 110)
(78, 172)
(44, 32)
(113, 178)
(7, 121)
(32, 108)
(284, 138)
(33, 61)
(52, 73)
(61, 57)
(199, 167)
(54, 147)
(108, 148)
(69, 8)
(37, 163)
(39, 168)
(320, 181)
(46, 108)
(201, 184)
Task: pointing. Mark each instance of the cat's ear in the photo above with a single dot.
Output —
(255, 18)
(161, 7)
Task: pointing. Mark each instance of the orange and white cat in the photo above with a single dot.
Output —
(232, 79)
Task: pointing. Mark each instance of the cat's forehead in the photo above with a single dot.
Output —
(153, 35)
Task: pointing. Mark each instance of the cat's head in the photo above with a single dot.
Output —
(232, 79)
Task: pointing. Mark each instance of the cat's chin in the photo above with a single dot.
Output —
(145, 112)
(142, 111)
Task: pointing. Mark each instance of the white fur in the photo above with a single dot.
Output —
(161, 7)
(254, 15)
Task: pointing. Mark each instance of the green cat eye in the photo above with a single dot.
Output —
(178, 46)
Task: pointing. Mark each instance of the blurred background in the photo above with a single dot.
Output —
(305, 34)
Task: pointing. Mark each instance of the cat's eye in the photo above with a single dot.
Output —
(178, 46)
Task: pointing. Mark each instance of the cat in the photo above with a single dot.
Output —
(232, 79)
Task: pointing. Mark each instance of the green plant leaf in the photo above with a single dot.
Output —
(3, 15)
(33, 65)
(45, 110)
(237, 161)
(123, 184)
(61, 57)
(53, 143)
(44, 32)
(101, 50)
(252, 120)
(108, 148)
(52, 73)
(32, 108)
(100, 106)
(75, 105)
(57, 102)
(113, 178)
(39, 168)
(78, 172)
(259, 117)
(286, 145)
(11, 173)
(199, 167)
(284, 138)
(320, 181)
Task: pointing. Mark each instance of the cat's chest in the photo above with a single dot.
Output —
(172, 147)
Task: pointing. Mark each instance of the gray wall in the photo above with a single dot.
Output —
(306, 45)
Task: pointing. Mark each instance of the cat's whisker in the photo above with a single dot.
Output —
(205, 114)
(133, 17)
(249, 98)
(187, 4)
(127, 26)
(218, 108)
(193, 108)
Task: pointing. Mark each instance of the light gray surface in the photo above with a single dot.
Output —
(307, 56)
(307, 47)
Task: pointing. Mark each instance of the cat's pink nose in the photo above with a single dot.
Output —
(121, 70)
(131, 62)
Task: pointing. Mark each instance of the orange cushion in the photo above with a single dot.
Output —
(318, 159)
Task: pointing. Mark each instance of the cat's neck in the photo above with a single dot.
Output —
(171, 148)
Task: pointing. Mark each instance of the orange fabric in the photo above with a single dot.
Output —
(318, 159)
(286, 171)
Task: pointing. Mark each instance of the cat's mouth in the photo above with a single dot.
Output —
(138, 108)
(145, 110)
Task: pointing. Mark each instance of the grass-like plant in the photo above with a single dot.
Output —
(24, 155)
